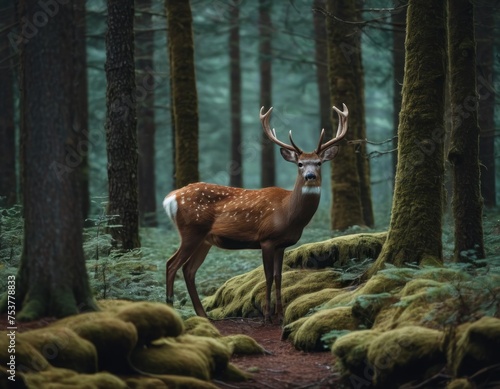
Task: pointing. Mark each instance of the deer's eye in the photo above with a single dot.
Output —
(300, 164)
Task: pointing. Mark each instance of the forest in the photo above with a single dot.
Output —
(118, 115)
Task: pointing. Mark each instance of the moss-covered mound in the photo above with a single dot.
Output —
(126, 345)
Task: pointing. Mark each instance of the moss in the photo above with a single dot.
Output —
(183, 382)
(152, 320)
(58, 378)
(477, 346)
(235, 374)
(460, 383)
(307, 337)
(201, 326)
(171, 357)
(405, 354)
(145, 383)
(417, 285)
(243, 344)
(351, 351)
(336, 252)
(303, 304)
(113, 339)
(62, 347)
(365, 308)
(28, 359)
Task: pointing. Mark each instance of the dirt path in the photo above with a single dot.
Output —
(285, 367)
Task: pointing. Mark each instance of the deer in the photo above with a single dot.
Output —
(269, 219)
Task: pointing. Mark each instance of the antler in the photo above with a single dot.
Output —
(341, 130)
(271, 134)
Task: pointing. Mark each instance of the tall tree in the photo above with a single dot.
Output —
(398, 20)
(121, 124)
(267, 162)
(342, 55)
(52, 278)
(485, 37)
(81, 117)
(416, 217)
(8, 181)
(236, 165)
(464, 148)
(184, 93)
(144, 50)
(321, 54)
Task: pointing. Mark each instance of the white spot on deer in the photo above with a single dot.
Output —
(170, 206)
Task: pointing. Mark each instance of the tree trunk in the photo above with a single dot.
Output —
(81, 119)
(121, 124)
(485, 37)
(398, 21)
(321, 58)
(343, 53)
(361, 156)
(236, 164)
(8, 182)
(267, 162)
(184, 94)
(144, 50)
(52, 278)
(464, 148)
(416, 218)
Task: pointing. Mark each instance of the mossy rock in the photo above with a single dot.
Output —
(418, 285)
(406, 354)
(145, 383)
(366, 307)
(28, 358)
(307, 337)
(58, 378)
(460, 383)
(113, 339)
(152, 320)
(183, 382)
(336, 252)
(444, 274)
(303, 304)
(241, 344)
(62, 347)
(351, 351)
(477, 346)
(201, 326)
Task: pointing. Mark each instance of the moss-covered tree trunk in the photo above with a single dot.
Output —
(236, 165)
(416, 217)
(184, 93)
(267, 160)
(121, 124)
(343, 53)
(486, 40)
(145, 84)
(52, 278)
(8, 180)
(398, 20)
(464, 149)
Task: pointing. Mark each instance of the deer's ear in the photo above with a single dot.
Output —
(288, 155)
(329, 153)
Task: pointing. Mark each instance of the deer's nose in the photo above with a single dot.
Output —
(310, 176)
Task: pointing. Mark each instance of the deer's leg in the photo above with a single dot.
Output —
(179, 258)
(268, 261)
(189, 270)
(278, 267)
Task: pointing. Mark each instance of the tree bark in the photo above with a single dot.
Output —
(184, 93)
(81, 95)
(343, 53)
(464, 148)
(121, 124)
(52, 278)
(8, 180)
(398, 20)
(144, 50)
(485, 37)
(236, 164)
(416, 217)
(267, 162)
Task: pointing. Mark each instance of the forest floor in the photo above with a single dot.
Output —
(283, 368)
